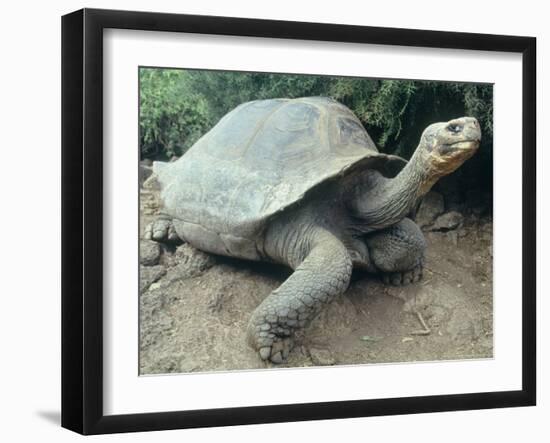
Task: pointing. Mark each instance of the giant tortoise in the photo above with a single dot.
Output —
(300, 182)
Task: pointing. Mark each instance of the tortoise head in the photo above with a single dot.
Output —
(442, 149)
(446, 146)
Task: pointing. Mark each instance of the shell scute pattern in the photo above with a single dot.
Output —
(261, 158)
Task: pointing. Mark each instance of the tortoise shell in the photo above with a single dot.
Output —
(261, 158)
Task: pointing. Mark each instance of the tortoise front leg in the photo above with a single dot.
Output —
(317, 280)
(398, 252)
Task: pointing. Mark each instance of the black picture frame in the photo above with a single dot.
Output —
(82, 218)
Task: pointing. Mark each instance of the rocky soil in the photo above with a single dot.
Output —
(194, 318)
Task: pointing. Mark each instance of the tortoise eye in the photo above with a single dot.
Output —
(455, 128)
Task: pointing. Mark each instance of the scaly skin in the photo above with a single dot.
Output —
(398, 252)
(161, 230)
(315, 241)
(323, 275)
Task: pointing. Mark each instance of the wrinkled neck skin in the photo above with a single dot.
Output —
(364, 203)
(380, 202)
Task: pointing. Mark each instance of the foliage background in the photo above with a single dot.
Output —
(177, 106)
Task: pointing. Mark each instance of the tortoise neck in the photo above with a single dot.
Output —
(390, 200)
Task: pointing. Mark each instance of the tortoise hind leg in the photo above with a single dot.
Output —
(161, 230)
(318, 279)
(398, 252)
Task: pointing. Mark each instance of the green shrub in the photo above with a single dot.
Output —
(172, 116)
(178, 106)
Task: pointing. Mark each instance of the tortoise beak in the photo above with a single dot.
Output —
(464, 146)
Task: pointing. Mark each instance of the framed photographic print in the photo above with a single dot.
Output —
(269, 221)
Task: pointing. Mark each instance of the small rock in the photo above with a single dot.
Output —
(149, 275)
(155, 286)
(197, 261)
(149, 252)
(430, 208)
(190, 263)
(321, 357)
(448, 221)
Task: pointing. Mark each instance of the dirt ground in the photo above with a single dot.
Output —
(196, 321)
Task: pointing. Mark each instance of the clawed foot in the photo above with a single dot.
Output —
(271, 346)
(278, 351)
(161, 230)
(403, 278)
